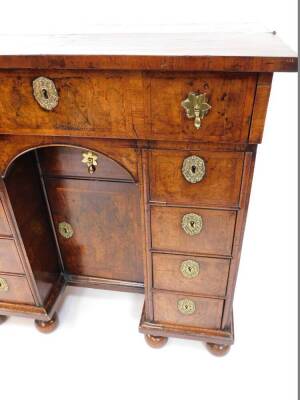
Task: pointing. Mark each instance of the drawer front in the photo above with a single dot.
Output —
(66, 161)
(187, 310)
(4, 226)
(215, 236)
(230, 97)
(198, 178)
(9, 257)
(198, 275)
(110, 103)
(15, 289)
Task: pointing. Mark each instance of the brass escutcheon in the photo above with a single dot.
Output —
(192, 224)
(186, 306)
(3, 285)
(90, 159)
(65, 230)
(196, 107)
(45, 93)
(193, 169)
(190, 269)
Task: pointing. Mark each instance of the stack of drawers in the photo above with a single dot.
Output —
(14, 287)
(194, 200)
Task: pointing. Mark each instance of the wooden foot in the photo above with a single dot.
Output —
(218, 349)
(156, 341)
(47, 326)
(3, 318)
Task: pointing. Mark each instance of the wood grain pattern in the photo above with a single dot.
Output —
(220, 186)
(208, 312)
(230, 96)
(67, 161)
(215, 238)
(212, 278)
(10, 261)
(4, 225)
(106, 222)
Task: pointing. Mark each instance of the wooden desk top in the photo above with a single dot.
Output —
(209, 51)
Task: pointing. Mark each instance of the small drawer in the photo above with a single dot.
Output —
(4, 226)
(198, 275)
(192, 230)
(187, 310)
(224, 100)
(9, 257)
(67, 161)
(197, 178)
(15, 289)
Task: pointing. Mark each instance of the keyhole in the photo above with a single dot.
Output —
(45, 94)
(190, 269)
(192, 223)
(194, 169)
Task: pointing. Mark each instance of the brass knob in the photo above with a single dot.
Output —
(192, 224)
(186, 306)
(45, 93)
(193, 169)
(190, 269)
(90, 159)
(196, 107)
(3, 285)
(65, 230)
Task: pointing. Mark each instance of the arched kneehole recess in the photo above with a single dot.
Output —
(78, 218)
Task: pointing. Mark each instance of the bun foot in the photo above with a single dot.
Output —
(218, 349)
(156, 341)
(3, 318)
(47, 326)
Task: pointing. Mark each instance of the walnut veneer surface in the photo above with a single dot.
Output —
(129, 167)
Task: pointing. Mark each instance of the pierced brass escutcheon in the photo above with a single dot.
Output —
(193, 169)
(196, 107)
(192, 224)
(3, 285)
(65, 230)
(190, 269)
(90, 159)
(186, 306)
(45, 93)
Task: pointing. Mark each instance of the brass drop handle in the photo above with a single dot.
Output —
(196, 107)
(3, 285)
(192, 224)
(45, 93)
(190, 269)
(186, 306)
(193, 169)
(65, 229)
(90, 159)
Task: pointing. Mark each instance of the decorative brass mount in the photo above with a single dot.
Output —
(192, 224)
(186, 306)
(45, 93)
(3, 285)
(65, 230)
(90, 159)
(193, 169)
(196, 106)
(190, 269)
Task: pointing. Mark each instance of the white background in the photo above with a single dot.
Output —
(97, 351)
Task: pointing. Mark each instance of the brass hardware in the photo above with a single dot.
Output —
(45, 93)
(196, 106)
(193, 169)
(190, 269)
(3, 285)
(90, 159)
(192, 224)
(186, 306)
(65, 230)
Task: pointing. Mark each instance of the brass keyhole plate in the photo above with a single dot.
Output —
(192, 224)
(45, 93)
(193, 169)
(190, 269)
(186, 306)
(65, 230)
(3, 285)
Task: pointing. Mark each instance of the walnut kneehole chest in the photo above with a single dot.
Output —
(132, 172)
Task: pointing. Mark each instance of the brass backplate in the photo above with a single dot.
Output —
(90, 159)
(3, 285)
(192, 224)
(193, 169)
(190, 269)
(186, 306)
(196, 107)
(66, 230)
(45, 93)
